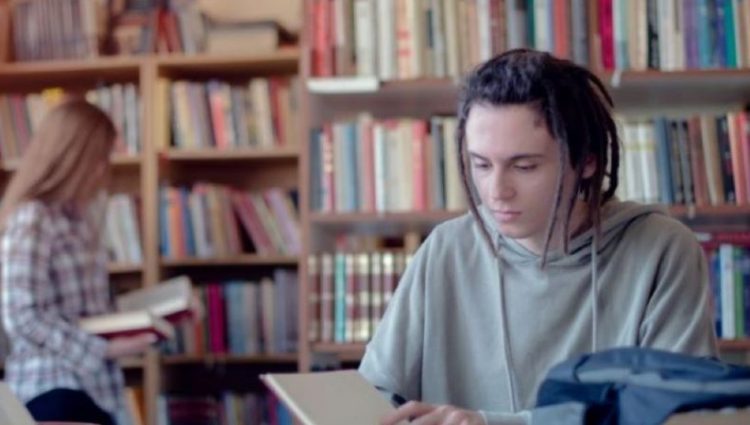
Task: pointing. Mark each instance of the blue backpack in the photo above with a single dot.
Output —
(637, 386)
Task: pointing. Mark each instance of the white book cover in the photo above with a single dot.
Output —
(168, 298)
(329, 398)
(12, 411)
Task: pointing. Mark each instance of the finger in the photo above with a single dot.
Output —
(443, 415)
(412, 409)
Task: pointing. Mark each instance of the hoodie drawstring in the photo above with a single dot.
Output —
(510, 377)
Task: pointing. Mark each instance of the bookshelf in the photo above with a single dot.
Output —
(339, 91)
(157, 164)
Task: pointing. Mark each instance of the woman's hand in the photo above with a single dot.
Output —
(430, 414)
(129, 345)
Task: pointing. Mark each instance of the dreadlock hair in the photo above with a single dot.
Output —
(576, 109)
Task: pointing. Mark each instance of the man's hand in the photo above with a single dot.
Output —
(430, 414)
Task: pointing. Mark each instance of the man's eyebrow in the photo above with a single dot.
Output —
(517, 157)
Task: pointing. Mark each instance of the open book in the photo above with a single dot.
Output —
(127, 323)
(329, 398)
(145, 310)
(169, 300)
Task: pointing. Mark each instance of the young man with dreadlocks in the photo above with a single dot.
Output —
(547, 265)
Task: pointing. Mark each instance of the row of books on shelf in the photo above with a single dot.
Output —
(203, 221)
(122, 230)
(394, 39)
(228, 408)
(698, 160)
(259, 114)
(57, 29)
(349, 292)
(138, 29)
(672, 35)
(243, 318)
(21, 114)
(385, 165)
(729, 271)
(398, 39)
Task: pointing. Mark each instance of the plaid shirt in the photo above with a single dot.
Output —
(53, 273)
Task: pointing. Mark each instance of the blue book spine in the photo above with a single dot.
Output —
(339, 316)
(187, 222)
(663, 158)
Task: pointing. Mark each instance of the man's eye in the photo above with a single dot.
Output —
(526, 167)
(481, 165)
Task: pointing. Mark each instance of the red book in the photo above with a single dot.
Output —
(606, 34)
(698, 165)
(252, 224)
(561, 29)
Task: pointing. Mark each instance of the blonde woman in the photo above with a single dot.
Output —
(54, 272)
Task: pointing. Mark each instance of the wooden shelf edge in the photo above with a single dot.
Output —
(121, 268)
(131, 363)
(678, 211)
(12, 165)
(352, 84)
(286, 54)
(734, 344)
(398, 217)
(187, 359)
(339, 348)
(229, 154)
(250, 260)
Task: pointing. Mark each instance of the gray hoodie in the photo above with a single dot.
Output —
(480, 331)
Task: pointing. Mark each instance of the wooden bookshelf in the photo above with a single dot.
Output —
(73, 73)
(183, 359)
(142, 174)
(385, 223)
(734, 344)
(283, 61)
(119, 268)
(117, 160)
(350, 352)
(131, 363)
(214, 155)
(240, 260)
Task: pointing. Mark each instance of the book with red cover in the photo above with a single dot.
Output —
(127, 323)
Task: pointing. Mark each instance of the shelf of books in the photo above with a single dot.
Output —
(228, 216)
(380, 110)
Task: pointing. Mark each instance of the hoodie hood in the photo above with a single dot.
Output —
(616, 217)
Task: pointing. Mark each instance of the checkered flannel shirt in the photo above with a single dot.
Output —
(53, 273)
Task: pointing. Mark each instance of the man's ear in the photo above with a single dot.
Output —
(589, 168)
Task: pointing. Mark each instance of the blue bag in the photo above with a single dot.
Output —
(638, 386)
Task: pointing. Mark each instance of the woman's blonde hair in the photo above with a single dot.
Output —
(60, 165)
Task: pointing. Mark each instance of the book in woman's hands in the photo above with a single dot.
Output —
(329, 398)
(170, 300)
(147, 310)
(127, 323)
